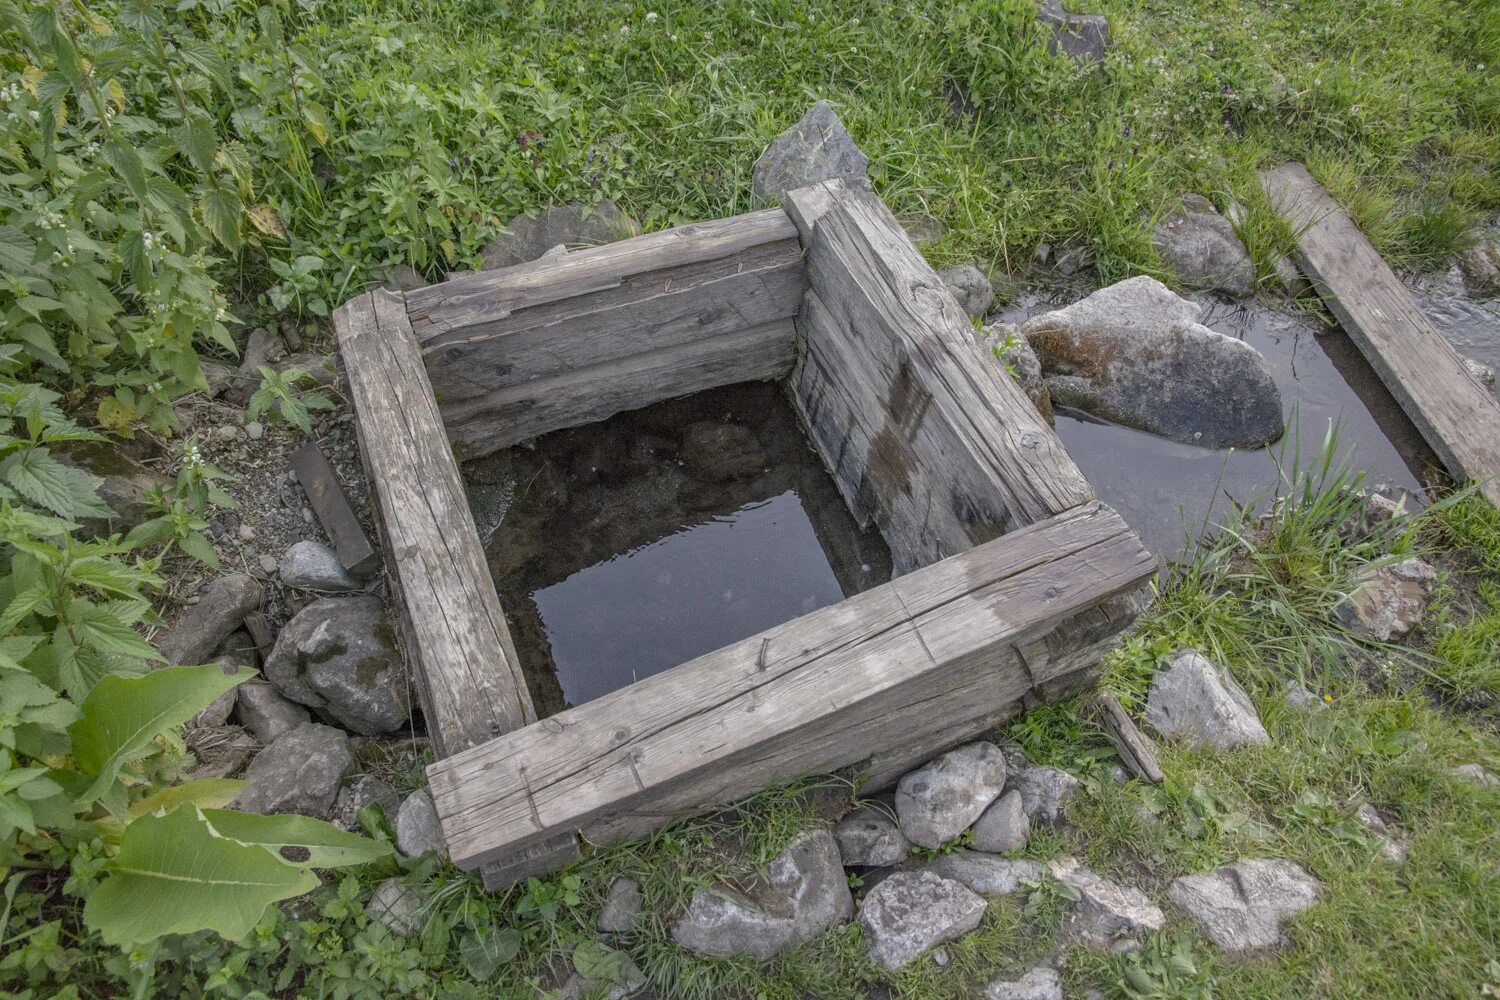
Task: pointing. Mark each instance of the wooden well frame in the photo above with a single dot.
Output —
(1012, 579)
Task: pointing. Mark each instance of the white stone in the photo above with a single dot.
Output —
(1197, 701)
(1041, 983)
(417, 827)
(911, 913)
(939, 800)
(1107, 915)
(1241, 906)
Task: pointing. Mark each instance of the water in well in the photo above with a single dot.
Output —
(626, 547)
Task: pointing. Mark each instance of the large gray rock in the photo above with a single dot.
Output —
(397, 907)
(530, 236)
(221, 608)
(623, 908)
(911, 913)
(870, 838)
(985, 873)
(299, 773)
(1476, 774)
(309, 565)
(359, 793)
(1197, 701)
(1480, 265)
(1388, 601)
(267, 715)
(805, 894)
(1082, 37)
(339, 655)
(1107, 914)
(1004, 826)
(817, 148)
(970, 288)
(1136, 354)
(938, 801)
(1203, 250)
(1043, 789)
(417, 827)
(1041, 983)
(1241, 906)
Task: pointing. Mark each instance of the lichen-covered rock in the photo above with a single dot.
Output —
(970, 288)
(265, 714)
(1004, 826)
(299, 773)
(1197, 701)
(574, 224)
(1203, 250)
(1107, 914)
(938, 801)
(309, 565)
(1040, 983)
(623, 908)
(870, 838)
(1043, 789)
(1241, 906)
(910, 913)
(985, 874)
(222, 606)
(1135, 353)
(805, 894)
(417, 829)
(1388, 601)
(339, 655)
(817, 148)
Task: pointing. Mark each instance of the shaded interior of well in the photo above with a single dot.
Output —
(626, 547)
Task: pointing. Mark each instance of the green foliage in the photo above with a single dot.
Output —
(278, 395)
(1163, 970)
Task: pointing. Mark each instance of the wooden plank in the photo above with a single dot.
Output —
(1459, 418)
(471, 680)
(337, 517)
(1135, 748)
(822, 692)
(502, 418)
(888, 335)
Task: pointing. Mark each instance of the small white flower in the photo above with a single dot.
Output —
(650, 15)
(624, 29)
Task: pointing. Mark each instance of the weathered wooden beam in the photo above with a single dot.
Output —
(335, 514)
(1457, 416)
(922, 432)
(822, 692)
(1135, 748)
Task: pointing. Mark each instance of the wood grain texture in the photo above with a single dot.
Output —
(813, 695)
(923, 433)
(1457, 416)
(1135, 748)
(337, 517)
(469, 676)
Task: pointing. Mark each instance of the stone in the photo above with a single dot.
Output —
(397, 907)
(870, 838)
(970, 288)
(261, 349)
(985, 873)
(1202, 249)
(805, 893)
(1107, 914)
(222, 606)
(817, 148)
(1020, 363)
(1080, 37)
(124, 484)
(1485, 375)
(911, 913)
(1476, 774)
(1291, 280)
(1480, 265)
(417, 829)
(359, 793)
(1241, 906)
(1387, 601)
(308, 565)
(1197, 701)
(1300, 698)
(268, 563)
(322, 370)
(574, 224)
(339, 655)
(299, 773)
(1041, 983)
(404, 278)
(1381, 509)
(722, 452)
(1135, 353)
(622, 911)
(1004, 826)
(1392, 848)
(267, 715)
(218, 711)
(255, 430)
(938, 801)
(1043, 791)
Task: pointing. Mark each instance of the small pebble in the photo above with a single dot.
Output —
(254, 431)
(291, 476)
(226, 432)
(247, 533)
(307, 515)
(268, 563)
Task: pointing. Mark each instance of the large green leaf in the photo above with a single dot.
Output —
(122, 715)
(204, 792)
(324, 845)
(173, 875)
(48, 483)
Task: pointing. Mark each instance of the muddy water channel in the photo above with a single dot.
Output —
(626, 547)
(1168, 491)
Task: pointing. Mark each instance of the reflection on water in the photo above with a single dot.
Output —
(1473, 328)
(627, 547)
(1168, 491)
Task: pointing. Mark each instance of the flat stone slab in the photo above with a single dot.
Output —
(911, 913)
(1241, 906)
(1107, 915)
(1040, 983)
(985, 874)
(1197, 701)
(870, 838)
(938, 801)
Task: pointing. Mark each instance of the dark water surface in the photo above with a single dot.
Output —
(1167, 491)
(630, 546)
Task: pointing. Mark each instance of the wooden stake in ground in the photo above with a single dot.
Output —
(1455, 413)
